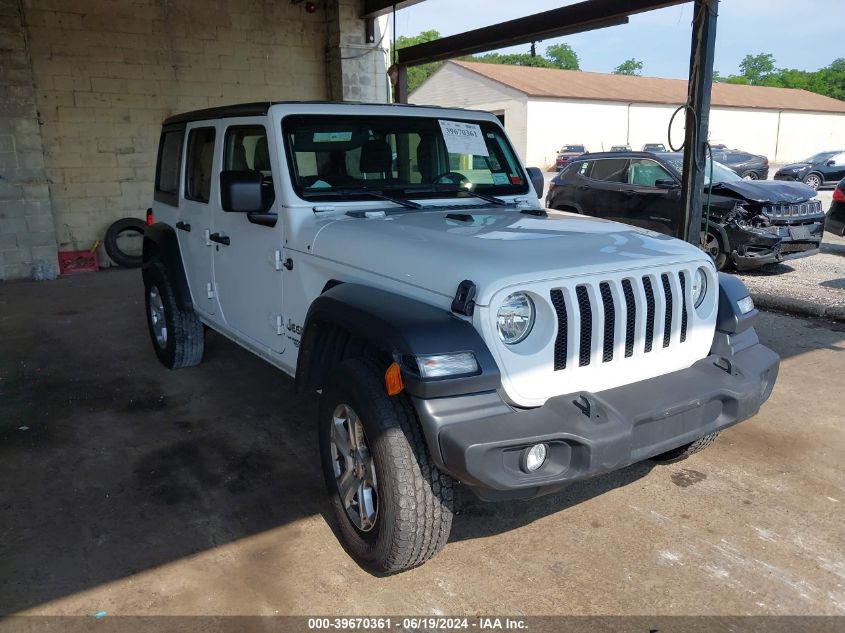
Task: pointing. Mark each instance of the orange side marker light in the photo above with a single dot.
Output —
(393, 380)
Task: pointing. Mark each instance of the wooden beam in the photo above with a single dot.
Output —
(575, 18)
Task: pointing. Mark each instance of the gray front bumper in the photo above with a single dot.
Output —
(480, 440)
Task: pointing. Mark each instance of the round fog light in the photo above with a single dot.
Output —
(534, 457)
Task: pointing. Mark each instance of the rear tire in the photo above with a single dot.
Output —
(407, 501)
(177, 334)
(118, 256)
(751, 175)
(682, 452)
(814, 180)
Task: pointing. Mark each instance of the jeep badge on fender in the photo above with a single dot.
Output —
(455, 330)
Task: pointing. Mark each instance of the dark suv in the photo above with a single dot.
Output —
(750, 223)
(743, 164)
(824, 168)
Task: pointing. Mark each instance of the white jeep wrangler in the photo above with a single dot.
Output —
(397, 259)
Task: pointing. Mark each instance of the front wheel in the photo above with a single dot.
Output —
(682, 452)
(393, 507)
(712, 245)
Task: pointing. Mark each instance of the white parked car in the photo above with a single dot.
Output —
(397, 259)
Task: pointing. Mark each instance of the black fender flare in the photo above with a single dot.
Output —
(729, 318)
(162, 245)
(399, 328)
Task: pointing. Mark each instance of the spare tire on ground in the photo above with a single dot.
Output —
(124, 240)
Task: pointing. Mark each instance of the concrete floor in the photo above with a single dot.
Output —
(134, 490)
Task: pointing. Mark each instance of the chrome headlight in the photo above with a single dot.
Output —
(699, 287)
(515, 318)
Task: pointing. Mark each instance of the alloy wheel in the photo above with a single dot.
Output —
(813, 180)
(354, 469)
(710, 245)
(159, 323)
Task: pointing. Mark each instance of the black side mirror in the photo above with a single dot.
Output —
(831, 163)
(665, 183)
(537, 180)
(240, 191)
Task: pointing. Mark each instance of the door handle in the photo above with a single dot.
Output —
(629, 192)
(183, 227)
(220, 239)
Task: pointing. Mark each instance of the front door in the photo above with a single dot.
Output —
(248, 248)
(194, 223)
(650, 206)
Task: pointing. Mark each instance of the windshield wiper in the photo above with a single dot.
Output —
(459, 189)
(364, 191)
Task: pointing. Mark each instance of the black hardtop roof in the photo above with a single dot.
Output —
(260, 108)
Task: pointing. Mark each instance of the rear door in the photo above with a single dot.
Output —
(247, 248)
(194, 222)
(607, 189)
(835, 172)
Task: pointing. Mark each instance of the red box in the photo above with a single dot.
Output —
(72, 262)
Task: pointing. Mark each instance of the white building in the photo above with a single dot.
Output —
(544, 109)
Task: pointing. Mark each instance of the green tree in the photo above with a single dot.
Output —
(418, 74)
(629, 67)
(755, 68)
(562, 56)
(759, 70)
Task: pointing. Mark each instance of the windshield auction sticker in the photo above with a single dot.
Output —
(463, 138)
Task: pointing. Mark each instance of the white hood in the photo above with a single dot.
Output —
(496, 248)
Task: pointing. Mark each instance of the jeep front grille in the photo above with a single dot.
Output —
(812, 207)
(613, 320)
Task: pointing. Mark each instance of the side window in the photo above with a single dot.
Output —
(584, 168)
(645, 172)
(610, 169)
(246, 149)
(167, 168)
(198, 164)
(838, 159)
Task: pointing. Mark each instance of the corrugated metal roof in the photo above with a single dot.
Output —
(576, 84)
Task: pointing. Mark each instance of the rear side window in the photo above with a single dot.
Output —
(610, 169)
(167, 171)
(198, 164)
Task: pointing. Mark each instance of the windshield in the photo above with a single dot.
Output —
(818, 158)
(350, 154)
(720, 172)
(572, 148)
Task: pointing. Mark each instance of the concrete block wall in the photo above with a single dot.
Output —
(27, 232)
(105, 75)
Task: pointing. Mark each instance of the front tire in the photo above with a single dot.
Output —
(682, 452)
(712, 245)
(177, 334)
(393, 506)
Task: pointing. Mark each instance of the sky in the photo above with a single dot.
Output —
(802, 34)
